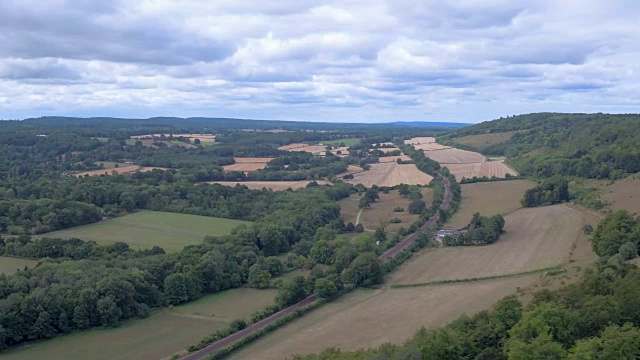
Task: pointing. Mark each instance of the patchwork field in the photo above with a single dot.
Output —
(489, 198)
(367, 318)
(486, 139)
(271, 185)
(248, 164)
(126, 169)
(381, 211)
(391, 174)
(9, 265)
(481, 169)
(164, 333)
(145, 229)
(455, 156)
(534, 238)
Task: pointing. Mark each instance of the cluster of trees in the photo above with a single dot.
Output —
(618, 234)
(44, 215)
(597, 318)
(553, 190)
(482, 230)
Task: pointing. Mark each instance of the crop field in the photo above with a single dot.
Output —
(455, 156)
(202, 137)
(420, 140)
(488, 169)
(162, 334)
(623, 195)
(386, 159)
(145, 229)
(9, 265)
(367, 318)
(126, 169)
(486, 139)
(271, 185)
(386, 150)
(430, 147)
(391, 174)
(347, 142)
(489, 198)
(534, 238)
(248, 164)
(381, 211)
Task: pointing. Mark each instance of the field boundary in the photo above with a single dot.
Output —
(470, 280)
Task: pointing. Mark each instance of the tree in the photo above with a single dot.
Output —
(108, 312)
(380, 235)
(364, 203)
(416, 206)
(359, 228)
(364, 270)
(175, 289)
(292, 292)
(628, 250)
(197, 141)
(325, 288)
(320, 252)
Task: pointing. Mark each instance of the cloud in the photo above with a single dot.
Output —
(347, 60)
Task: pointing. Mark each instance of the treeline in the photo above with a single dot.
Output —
(553, 190)
(482, 230)
(44, 215)
(618, 234)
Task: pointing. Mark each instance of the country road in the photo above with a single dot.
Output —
(402, 245)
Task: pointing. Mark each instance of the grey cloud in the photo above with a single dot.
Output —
(33, 70)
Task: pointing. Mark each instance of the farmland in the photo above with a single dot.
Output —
(486, 139)
(248, 164)
(271, 185)
(126, 169)
(402, 157)
(431, 147)
(347, 142)
(391, 174)
(481, 169)
(455, 156)
(145, 229)
(420, 140)
(381, 211)
(191, 137)
(623, 194)
(164, 333)
(489, 198)
(9, 265)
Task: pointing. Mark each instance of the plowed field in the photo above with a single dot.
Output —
(391, 174)
(455, 156)
(488, 169)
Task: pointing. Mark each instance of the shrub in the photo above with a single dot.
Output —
(398, 209)
(395, 221)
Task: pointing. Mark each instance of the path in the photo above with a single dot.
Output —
(402, 245)
(358, 217)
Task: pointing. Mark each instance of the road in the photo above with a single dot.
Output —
(402, 245)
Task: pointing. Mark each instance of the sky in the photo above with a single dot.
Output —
(343, 61)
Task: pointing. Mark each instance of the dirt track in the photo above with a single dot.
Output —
(403, 245)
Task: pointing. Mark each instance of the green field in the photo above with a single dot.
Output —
(9, 265)
(164, 333)
(145, 229)
(346, 142)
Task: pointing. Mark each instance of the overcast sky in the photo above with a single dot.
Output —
(356, 61)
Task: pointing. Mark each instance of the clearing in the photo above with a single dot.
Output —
(162, 334)
(126, 169)
(9, 265)
(489, 198)
(271, 185)
(534, 238)
(146, 229)
(248, 164)
(486, 139)
(481, 169)
(381, 211)
(391, 174)
(455, 156)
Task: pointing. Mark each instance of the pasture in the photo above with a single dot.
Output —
(486, 139)
(534, 238)
(248, 164)
(162, 334)
(455, 156)
(391, 174)
(145, 229)
(271, 185)
(9, 265)
(488, 198)
(480, 169)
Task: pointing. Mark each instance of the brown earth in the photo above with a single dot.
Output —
(391, 174)
(488, 169)
(455, 156)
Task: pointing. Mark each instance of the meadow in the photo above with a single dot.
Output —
(145, 229)
(9, 265)
(162, 334)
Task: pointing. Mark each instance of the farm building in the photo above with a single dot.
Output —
(440, 235)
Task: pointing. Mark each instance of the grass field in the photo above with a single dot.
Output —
(9, 265)
(489, 198)
(486, 139)
(164, 333)
(391, 174)
(347, 142)
(534, 238)
(271, 185)
(145, 229)
(381, 211)
(480, 169)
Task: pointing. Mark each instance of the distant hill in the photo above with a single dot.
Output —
(545, 144)
(430, 124)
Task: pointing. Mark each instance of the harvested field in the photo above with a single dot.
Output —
(202, 137)
(391, 174)
(488, 169)
(9, 265)
(489, 198)
(420, 140)
(271, 185)
(534, 238)
(119, 170)
(385, 150)
(367, 318)
(386, 159)
(430, 147)
(145, 229)
(623, 195)
(248, 164)
(351, 169)
(455, 156)
(162, 334)
(381, 211)
(486, 139)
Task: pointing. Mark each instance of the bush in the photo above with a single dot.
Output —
(395, 221)
(398, 209)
